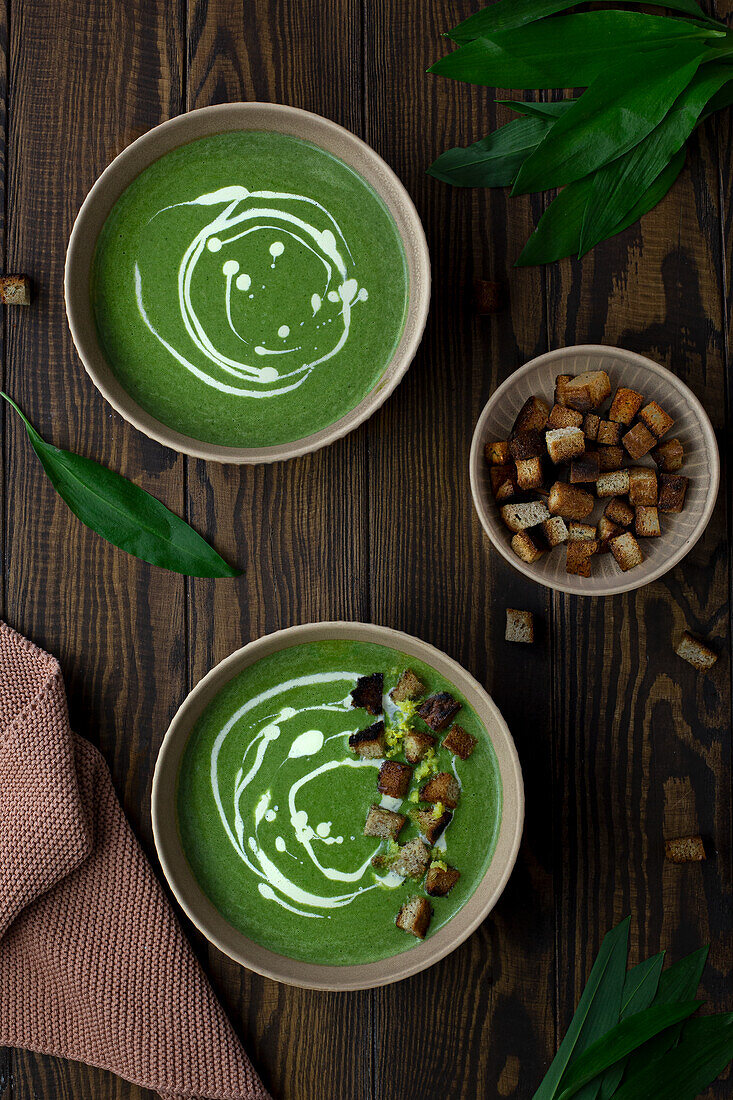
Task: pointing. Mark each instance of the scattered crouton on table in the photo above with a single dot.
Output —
(685, 849)
(519, 626)
(415, 916)
(699, 655)
(368, 693)
(369, 743)
(459, 741)
(15, 290)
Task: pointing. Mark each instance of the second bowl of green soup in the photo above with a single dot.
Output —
(247, 282)
(337, 805)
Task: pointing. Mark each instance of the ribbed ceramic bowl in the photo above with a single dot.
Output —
(291, 971)
(190, 127)
(692, 427)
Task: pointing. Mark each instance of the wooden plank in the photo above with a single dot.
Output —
(86, 78)
(5, 1053)
(299, 529)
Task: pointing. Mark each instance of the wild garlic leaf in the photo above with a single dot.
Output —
(704, 1052)
(552, 109)
(640, 988)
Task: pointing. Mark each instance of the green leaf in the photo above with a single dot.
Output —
(570, 51)
(640, 988)
(552, 109)
(123, 513)
(677, 983)
(598, 1008)
(619, 109)
(683, 1073)
(616, 1044)
(494, 160)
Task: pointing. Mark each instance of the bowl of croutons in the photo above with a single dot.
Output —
(594, 470)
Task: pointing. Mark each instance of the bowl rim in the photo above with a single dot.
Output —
(627, 582)
(219, 118)
(281, 968)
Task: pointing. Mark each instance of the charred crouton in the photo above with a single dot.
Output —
(519, 628)
(443, 788)
(367, 694)
(562, 417)
(532, 416)
(529, 473)
(440, 880)
(369, 743)
(610, 458)
(409, 686)
(626, 551)
(643, 488)
(563, 444)
(554, 530)
(411, 861)
(591, 424)
(609, 433)
(416, 744)
(581, 532)
(415, 916)
(669, 456)
(518, 517)
(656, 419)
(15, 290)
(383, 823)
(527, 444)
(672, 489)
(497, 454)
(625, 405)
(459, 741)
(439, 710)
(685, 849)
(619, 511)
(561, 383)
(525, 547)
(587, 391)
(585, 469)
(699, 655)
(607, 530)
(578, 561)
(646, 522)
(570, 502)
(639, 441)
(503, 482)
(430, 826)
(615, 483)
(394, 779)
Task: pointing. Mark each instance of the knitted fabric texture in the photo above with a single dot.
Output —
(93, 964)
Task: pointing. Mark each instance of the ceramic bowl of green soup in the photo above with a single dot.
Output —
(247, 282)
(337, 805)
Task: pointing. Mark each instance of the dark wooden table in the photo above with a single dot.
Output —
(621, 742)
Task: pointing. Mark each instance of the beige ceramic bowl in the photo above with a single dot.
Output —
(692, 426)
(250, 954)
(190, 127)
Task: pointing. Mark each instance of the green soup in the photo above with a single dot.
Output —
(272, 803)
(249, 289)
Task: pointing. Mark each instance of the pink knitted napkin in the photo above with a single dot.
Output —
(93, 964)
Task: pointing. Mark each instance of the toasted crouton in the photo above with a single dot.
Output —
(685, 849)
(591, 424)
(561, 383)
(368, 693)
(416, 744)
(440, 880)
(383, 823)
(459, 741)
(415, 916)
(563, 444)
(369, 743)
(615, 483)
(672, 489)
(562, 417)
(497, 454)
(569, 501)
(609, 433)
(15, 290)
(610, 458)
(619, 511)
(439, 710)
(527, 444)
(656, 419)
(394, 779)
(669, 456)
(519, 626)
(503, 482)
(585, 469)
(587, 391)
(532, 415)
(646, 522)
(411, 861)
(626, 551)
(580, 552)
(607, 530)
(518, 517)
(409, 686)
(525, 547)
(696, 652)
(554, 530)
(625, 405)
(430, 826)
(639, 441)
(643, 487)
(581, 532)
(443, 788)
(529, 473)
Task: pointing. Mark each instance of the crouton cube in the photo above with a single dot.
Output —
(367, 694)
(529, 513)
(609, 433)
(672, 489)
(415, 916)
(439, 710)
(529, 473)
(626, 551)
(488, 296)
(525, 547)
(643, 488)
(416, 744)
(554, 530)
(561, 383)
(699, 655)
(369, 743)
(497, 454)
(532, 415)
(440, 880)
(646, 522)
(607, 530)
(591, 424)
(503, 482)
(639, 441)
(385, 824)
(443, 788)
(459, 741)
(562, 417)
(580, 553)
(15, 290)
(394, 779)
(409, 686)
(564, 444)
(519, 626)
(669, 456)
(581, 532)
(656, 419)
(619, 511)
(569, 501)
(610, 458)
(527, 444)
(412, 859)
(615, 483)
(625, 405)
(430, 826)
(585, 469)
(685, 849)
(587, 391)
